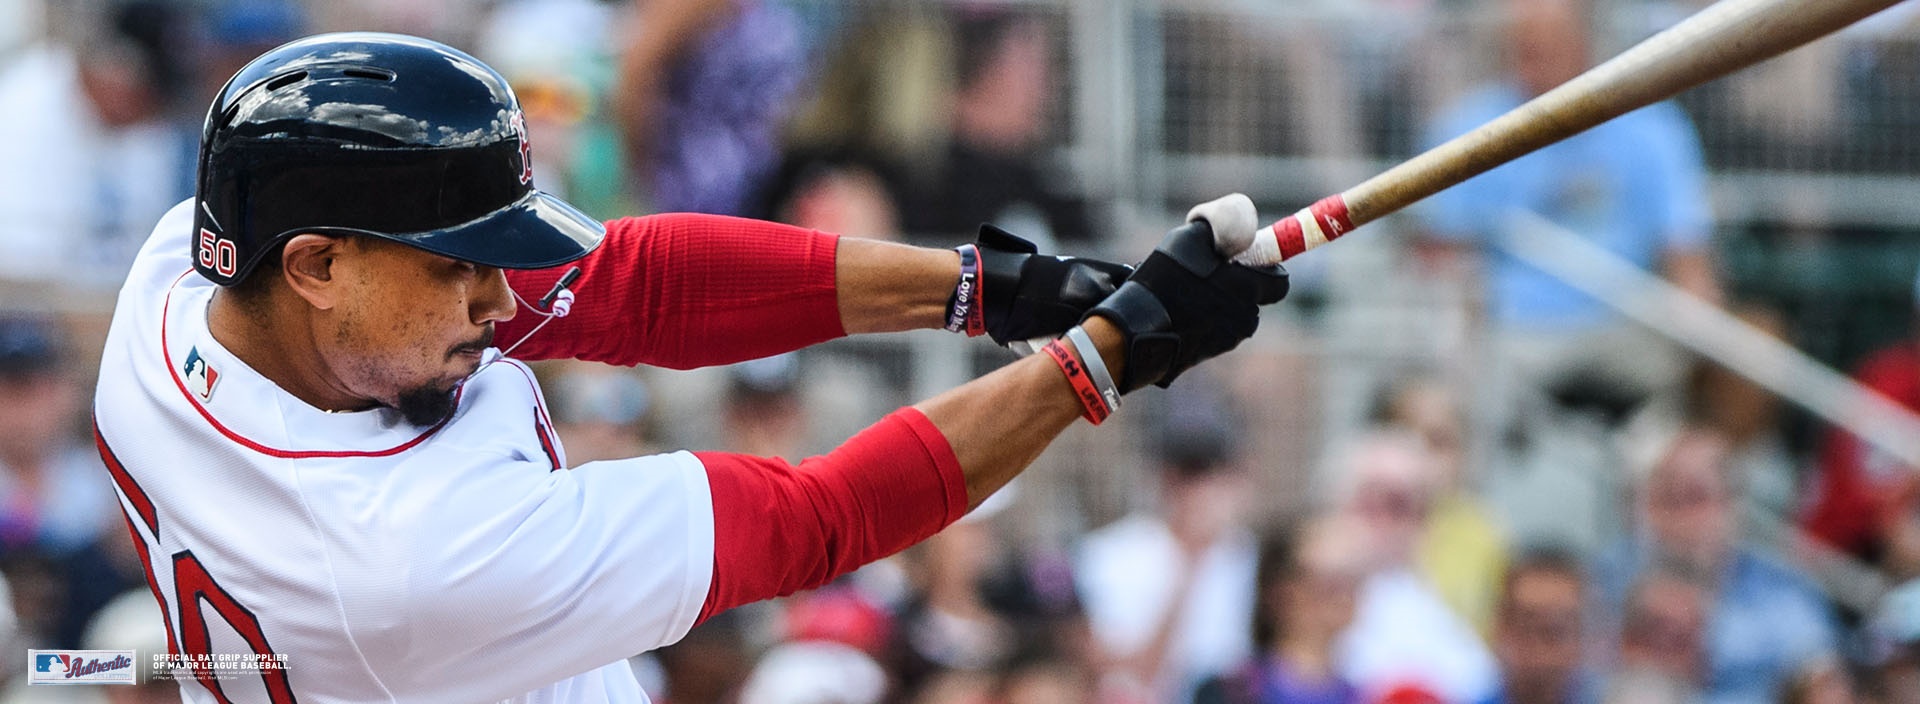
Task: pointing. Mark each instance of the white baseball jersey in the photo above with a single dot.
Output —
(387, 562)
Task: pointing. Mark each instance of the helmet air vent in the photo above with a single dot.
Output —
(286, 80)
(368, 73)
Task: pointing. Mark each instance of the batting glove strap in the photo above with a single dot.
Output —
(1186, 304)
(1027, 295)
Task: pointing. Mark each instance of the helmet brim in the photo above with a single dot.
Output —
(535, 232)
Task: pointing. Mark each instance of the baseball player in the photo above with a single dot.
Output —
(323, 455)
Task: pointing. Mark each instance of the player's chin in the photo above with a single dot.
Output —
(428, 404)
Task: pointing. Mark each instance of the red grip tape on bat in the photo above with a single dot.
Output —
(1315, 225)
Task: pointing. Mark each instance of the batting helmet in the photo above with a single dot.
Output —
(373, 134)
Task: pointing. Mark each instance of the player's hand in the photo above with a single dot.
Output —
(1027, 295)
(1185, 304)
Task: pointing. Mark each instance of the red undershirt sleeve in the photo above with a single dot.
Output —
(683, 291)
(780, 528)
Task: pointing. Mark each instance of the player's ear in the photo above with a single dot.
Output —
(307, 265)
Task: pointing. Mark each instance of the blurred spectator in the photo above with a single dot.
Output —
(53, 489)
(1404, 640)
(133, 620)
(702, 91)
(450, 21)
(1307, 583)
(96, 160)
(600, 413)
(21, 22)
(950, 628)
(835, 192)
(838, 613)
(1865, 501)
(1767, 620)
(1167, 593)
(1462, 552)
(1634, 186)
(1043, 679)
(1821, 682)
(764, 411)
(992, 170)
(1538, 631)
(883, 86)
(1633, 687)
(1749, 416)
(828, 651)
(563, 87)
(56, 507)
(239, 30)
(1663, 633)
(1895, 633)
(709, 664)
(814, 672)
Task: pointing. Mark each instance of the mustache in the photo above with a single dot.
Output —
(478, 344)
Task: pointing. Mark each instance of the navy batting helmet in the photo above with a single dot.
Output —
(372, 134)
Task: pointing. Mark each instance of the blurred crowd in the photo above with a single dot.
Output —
(1570, 510)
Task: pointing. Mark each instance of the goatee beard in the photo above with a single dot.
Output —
(427, 406)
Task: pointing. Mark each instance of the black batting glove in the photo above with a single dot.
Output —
(1027, 295)
(1187, 303)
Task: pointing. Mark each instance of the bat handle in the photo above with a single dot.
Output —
(1315, 225)
(1233, 220)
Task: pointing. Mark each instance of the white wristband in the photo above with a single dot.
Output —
(1096, 367)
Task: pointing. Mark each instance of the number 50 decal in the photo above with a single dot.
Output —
(217, 253)
(192, 585)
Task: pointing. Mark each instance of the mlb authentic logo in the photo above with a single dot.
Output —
(200, 376)
(80, 667)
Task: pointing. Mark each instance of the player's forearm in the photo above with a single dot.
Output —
(780, 528)
(887, 287)
(1000, 423)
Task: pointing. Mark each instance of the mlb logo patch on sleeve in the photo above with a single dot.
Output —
(199, 375)
(80, 667)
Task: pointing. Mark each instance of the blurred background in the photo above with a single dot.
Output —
(1541, 438)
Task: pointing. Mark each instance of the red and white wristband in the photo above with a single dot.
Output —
(964, 312)
(1087, 373)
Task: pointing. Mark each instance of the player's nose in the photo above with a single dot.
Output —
(492, 300)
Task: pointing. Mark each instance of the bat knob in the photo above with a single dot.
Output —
(1233, 219)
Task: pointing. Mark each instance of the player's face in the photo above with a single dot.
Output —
(415, 326)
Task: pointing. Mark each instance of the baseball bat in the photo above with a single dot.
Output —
(1716, 41)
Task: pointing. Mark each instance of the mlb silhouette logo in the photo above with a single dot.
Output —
(50, 662)
(200, 376)
(80, 667)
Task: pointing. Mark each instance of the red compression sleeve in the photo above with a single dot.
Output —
(685, 291)
(778, 529)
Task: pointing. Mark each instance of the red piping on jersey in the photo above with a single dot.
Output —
(138, 497)
(174, 374)
(135, 495)
(540, 420)
(153, 585)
